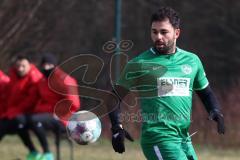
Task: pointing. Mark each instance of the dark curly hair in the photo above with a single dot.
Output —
(166, 12)
(22, 56)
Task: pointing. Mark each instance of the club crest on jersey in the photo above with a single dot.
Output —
(187, 69)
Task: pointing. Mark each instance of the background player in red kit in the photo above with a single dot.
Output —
(55, 104)
(21, 99)
(4, 81)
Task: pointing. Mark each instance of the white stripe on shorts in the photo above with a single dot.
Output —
(158, 153)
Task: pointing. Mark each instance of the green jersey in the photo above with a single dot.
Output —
(165, 84)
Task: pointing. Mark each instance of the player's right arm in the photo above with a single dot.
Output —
(122, 87)
(118, 133)
(120, 92)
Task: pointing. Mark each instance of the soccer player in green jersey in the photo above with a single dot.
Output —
(165, 77)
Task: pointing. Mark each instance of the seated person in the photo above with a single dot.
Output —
(58, 100)
(4, 81)
(20, 100)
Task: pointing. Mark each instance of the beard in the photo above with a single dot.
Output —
(47, 72)
(21, 74)
(165, 48)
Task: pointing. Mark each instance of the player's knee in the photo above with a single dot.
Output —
(21, 119)
(34, 122)
(20, 122)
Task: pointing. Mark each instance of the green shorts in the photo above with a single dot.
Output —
(170, 151)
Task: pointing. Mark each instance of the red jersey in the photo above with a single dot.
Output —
(4, 81)
(58, 95)
(23, 94)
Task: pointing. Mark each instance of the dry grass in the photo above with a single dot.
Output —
(12, 149)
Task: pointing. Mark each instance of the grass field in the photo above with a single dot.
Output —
(12, 149)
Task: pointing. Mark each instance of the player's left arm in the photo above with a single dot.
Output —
(204, 91)
(212, 106)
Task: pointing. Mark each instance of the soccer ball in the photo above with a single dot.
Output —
(84, 127)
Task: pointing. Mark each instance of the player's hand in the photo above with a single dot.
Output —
(218, 117)
(118, 136)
